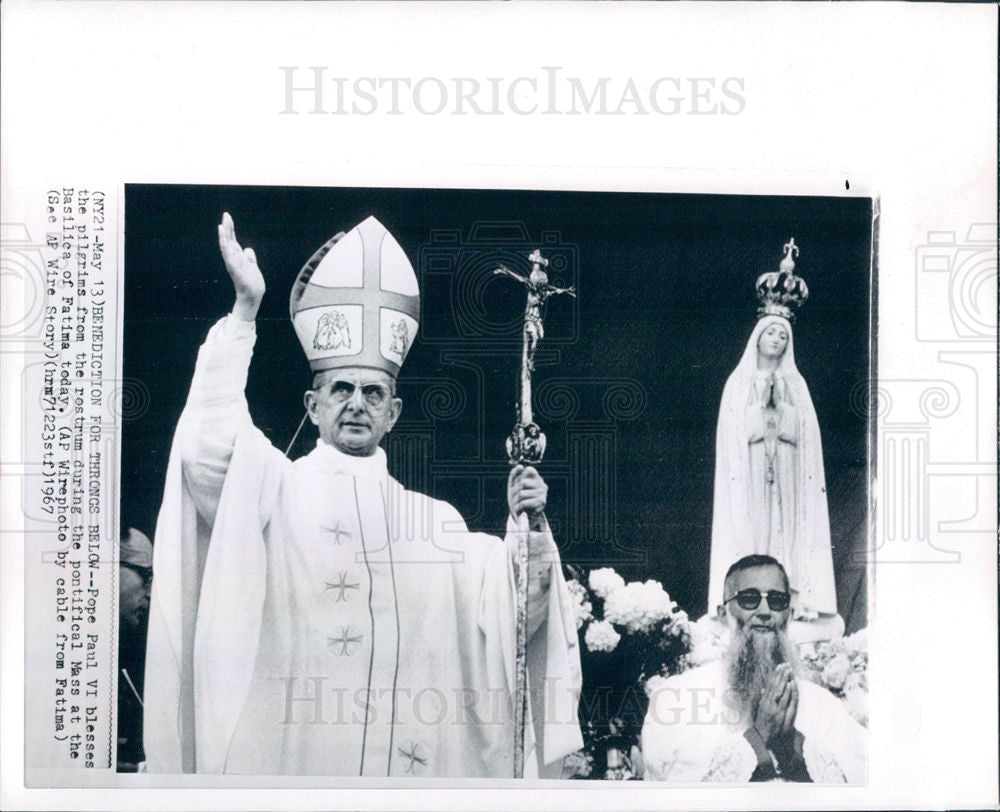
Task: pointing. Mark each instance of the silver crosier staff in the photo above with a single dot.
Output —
(525, 446)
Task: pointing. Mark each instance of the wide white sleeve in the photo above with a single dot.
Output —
(554, 674)
(543, 559)
(553, 657)
(836, 745)
(216, 409)
(687, 738)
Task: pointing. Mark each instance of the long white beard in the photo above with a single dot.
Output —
(752, 659)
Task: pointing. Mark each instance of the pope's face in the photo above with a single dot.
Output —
(354, 408)
(773, 341)
(763, 619)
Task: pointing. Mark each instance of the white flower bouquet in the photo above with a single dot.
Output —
(629, 633)
(841, 666)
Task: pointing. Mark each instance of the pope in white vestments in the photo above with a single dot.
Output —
(315, 617)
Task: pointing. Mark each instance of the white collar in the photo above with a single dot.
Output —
(336, 461)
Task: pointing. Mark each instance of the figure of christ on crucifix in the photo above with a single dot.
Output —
(527, 442)
(539, 290)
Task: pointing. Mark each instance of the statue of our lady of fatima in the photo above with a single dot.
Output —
(770, 490)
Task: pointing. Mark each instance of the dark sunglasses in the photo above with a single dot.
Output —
(750, 599)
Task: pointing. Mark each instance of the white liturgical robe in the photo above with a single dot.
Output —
(315, 617)
(693, 732)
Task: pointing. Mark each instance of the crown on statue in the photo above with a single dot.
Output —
(778, 291)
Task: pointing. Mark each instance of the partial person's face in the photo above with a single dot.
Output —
(762, 620)
(133, 596)
(354, 408)
(772, 341)
(759, 639)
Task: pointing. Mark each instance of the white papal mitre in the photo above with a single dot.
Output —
(356, 302)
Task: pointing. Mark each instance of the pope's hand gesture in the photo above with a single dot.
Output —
(527, 493)
(241, 265)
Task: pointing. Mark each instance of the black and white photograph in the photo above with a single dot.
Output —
(519, 484)
(498, 405)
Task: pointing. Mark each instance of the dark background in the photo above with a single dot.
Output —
(629, 375)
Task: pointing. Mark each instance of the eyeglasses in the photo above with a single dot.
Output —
(750, 599)
(375, 396)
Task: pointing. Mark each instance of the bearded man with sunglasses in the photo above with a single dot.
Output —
(315, 617)
(748, 718)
